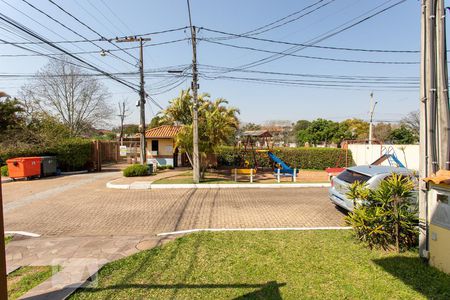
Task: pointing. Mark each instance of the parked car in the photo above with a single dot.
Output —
(372, 175)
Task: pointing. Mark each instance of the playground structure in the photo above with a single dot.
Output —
(388, 154)
(256, 143)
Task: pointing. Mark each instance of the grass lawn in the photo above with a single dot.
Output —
(26, 278)
(304, 176)
(268, 265)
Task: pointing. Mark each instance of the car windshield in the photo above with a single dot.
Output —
(350, 176)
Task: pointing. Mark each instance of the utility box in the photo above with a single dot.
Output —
(24, 167)
(48, 166)
(439, 219)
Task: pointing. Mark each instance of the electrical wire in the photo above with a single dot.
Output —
(38, 37)
(313, 57)
(90, 28)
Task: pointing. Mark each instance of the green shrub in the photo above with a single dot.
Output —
(166, 167)
(303, 157)
(386, 217)
(73, 154)
(135, 170)
(4, 171)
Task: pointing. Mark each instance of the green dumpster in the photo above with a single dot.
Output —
(48, 166)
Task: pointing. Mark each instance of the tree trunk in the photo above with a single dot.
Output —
(397, 236)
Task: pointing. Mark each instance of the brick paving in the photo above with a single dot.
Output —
(82, 222)
(91, 209)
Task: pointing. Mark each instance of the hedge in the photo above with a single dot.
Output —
(4, 171)
(135, 170)
(72, 154)
(302, 158)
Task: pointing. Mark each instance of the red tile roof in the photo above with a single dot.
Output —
(441, 177)
(164, 131)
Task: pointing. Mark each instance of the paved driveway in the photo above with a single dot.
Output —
(84, 225)
(81, 205)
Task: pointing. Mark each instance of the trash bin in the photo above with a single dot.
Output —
(48, 165)
(24, 167)
(149, 168)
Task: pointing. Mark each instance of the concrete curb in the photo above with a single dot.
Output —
(6, 180)
(75, 172)
(149, 185)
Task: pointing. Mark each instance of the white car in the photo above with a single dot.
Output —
(370, 174)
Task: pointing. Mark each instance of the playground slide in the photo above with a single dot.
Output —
(285, 168)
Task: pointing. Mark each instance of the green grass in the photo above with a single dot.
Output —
(8, 239)
(268, 265)
(26, 278)
(189, 181)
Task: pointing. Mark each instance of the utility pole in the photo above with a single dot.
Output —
(3, 280)
(122, 114)
(195, 154)
(372, 109)
(434, 107)
(142, 93)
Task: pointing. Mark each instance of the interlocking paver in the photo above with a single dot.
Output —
(81, 221)
(90, 209)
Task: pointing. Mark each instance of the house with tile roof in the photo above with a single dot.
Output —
(161, 146)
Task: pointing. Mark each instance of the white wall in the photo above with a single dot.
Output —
(364, 154)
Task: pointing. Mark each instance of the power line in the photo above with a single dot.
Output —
(321, 37)
(267, 27)
(38, 37)
(313, 57)
(92, 52)
(63, 25)
(113, 39)
(359, 77)
(90, 28)
(115, 15)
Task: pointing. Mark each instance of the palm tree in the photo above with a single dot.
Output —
(216, 121)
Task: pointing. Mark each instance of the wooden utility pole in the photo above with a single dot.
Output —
(141, 93)
(195, 152)
(3, 281)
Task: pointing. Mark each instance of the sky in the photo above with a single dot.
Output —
(310, 97)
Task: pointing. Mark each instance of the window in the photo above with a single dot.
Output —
(352, 176)
(443, 198)
(155, 145)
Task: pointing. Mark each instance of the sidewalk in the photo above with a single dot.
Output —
(139, 183)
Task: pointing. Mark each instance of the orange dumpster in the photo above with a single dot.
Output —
(24, 167)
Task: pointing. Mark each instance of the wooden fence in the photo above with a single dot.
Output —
(104, 152)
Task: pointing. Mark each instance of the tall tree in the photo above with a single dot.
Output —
(412, 121)
(359, 129)
(10, 114)
(318, 132)
(403, 135)
(250, 127)
(75, 98)
(217, 122)
(382, 131)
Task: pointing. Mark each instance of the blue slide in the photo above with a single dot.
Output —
(285, 169)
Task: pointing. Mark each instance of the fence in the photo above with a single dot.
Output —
(103, 152)
(365, 154)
